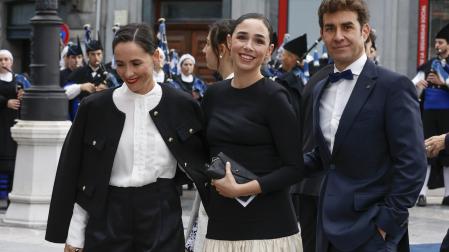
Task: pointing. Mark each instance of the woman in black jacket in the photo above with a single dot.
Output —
(127, 150)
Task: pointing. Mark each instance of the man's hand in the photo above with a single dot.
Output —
(88, 87)
(13, 104)
(69, 248)
(434, 145)
(20, 94)
(422, 84)
(432, 77)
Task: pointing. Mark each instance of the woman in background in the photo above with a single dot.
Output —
(218, 59)
(187, 81)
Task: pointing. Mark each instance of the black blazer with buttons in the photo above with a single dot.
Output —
(88, 152)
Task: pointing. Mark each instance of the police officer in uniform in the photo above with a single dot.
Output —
(432, 84)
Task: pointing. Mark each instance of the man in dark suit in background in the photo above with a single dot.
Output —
(369, 140)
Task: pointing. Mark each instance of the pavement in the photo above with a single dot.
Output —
(427, 227)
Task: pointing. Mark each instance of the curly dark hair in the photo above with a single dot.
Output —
(332, 6)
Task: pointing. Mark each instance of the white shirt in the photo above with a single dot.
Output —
(74, 90)
(334, 100)
(159, 77)
(6, 77)
(142, 155)
(186, 78)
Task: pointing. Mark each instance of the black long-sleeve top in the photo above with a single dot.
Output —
(257, 127)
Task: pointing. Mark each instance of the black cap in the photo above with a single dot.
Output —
(297, 46)
(443, 33)
(94, 45)
(74, 50)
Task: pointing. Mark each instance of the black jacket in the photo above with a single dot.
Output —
(87, 156)
(8, 90)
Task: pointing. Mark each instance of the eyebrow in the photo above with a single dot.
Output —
(256, 35)
(345, 23)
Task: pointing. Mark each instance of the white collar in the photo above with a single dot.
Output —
(126, 92)
(186, 78)
(356, 66)
(6, 77)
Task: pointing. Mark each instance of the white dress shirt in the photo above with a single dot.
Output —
(142, 155)
(334, 100)
(6, 77)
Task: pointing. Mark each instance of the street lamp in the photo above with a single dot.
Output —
(43, 125)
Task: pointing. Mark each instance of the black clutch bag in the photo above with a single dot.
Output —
(216, 170)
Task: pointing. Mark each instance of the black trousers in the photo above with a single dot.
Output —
(138, 219)
(436, 122)
(306, 207)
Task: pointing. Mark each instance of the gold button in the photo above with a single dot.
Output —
(170, 139)
(155, 113)
(191, 131)
(84, 188)
(94, 142)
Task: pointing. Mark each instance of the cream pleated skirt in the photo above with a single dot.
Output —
(291, 243)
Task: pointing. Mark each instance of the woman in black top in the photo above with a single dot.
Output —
(250, 119)
(128, 148)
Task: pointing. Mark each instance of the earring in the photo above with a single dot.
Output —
(221, 56)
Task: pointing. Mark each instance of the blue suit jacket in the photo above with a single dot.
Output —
(377, 166)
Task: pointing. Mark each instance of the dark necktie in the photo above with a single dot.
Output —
(347, 75)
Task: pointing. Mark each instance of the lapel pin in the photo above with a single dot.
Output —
(368, 86)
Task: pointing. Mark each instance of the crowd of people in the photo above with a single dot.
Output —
(294, 123)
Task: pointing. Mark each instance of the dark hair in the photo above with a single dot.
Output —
(258, 16)
(139, 33)
(372, 38)
(218, 32)
(332, 6)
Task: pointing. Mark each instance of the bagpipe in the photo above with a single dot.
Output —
(440, 68)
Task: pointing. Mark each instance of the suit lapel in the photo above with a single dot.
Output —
(324, 149)
(363, 88)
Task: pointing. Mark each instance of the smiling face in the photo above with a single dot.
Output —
(135, 66)
(344, 37)
(250, 45)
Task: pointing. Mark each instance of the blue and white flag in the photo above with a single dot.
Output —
(163, 44)
(440, 70)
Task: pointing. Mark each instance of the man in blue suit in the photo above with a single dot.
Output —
(369, 140)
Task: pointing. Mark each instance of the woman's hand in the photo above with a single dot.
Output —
(69, 248)
(434, 145)
(228, 187)
(13, 104)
